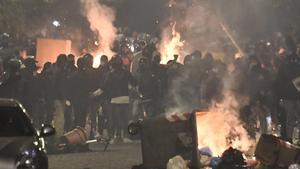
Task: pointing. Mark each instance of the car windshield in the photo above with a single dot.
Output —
(14, 123)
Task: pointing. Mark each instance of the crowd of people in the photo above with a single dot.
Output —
(130, 86)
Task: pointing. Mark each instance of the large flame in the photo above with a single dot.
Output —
(221, 128)
(101, 20)
(171, 43)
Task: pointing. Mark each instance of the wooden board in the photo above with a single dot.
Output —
(49, 49)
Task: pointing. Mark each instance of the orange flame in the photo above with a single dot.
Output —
(170, 44)
(221, 128)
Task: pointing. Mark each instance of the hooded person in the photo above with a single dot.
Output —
(80, 93)
(287, 89)
(149, 88)
(116, 88)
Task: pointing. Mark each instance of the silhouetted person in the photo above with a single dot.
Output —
(47, 84)
(116, 88)
(60, 92)
(149, 88)
(70, 69)
(80, 93)
(103, 100)
(288, 92)
(12, 85)
(32, 91)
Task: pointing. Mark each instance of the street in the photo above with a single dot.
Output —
(120, 156)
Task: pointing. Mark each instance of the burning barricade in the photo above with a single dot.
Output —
(205, 140)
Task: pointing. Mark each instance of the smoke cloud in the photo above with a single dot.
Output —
(221, 128)
(101, 19)
(197, 25)
(223, 122)
(200, 29)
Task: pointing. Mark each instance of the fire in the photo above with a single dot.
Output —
(170, 44)
(96, 61)
(101, 19)
(221, 128)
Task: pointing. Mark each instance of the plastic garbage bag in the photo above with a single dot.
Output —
(294, 166)
(177, 162)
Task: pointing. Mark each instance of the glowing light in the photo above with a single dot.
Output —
(56, 23)
(281, 51)
(172, 3)
(27, 162)
(97, 60)
(170, 44)
(36, 143)
(6, 34)
(238, 55)
(132, 48)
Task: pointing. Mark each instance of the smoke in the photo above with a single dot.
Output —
(197, 28)
(221, 127)
(171, 43)
(101, 19)
(201, 27)
(207, 85)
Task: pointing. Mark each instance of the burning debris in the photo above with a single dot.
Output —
(171, 43)
(221, 128)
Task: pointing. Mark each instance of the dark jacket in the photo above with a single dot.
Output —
(117, 82)
(284, 87)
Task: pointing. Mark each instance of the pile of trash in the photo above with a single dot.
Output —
(230, 159)
(271, 153)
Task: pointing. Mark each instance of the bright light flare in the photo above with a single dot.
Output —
(56, 23)
(97, 61)
(238, 55)
(281, 51)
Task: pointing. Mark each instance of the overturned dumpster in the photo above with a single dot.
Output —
(167, 136)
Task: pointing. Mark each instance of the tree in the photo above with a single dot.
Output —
(20, 17)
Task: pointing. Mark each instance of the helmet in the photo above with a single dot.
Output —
(30, 63)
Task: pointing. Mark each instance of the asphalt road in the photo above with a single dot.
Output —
(118, 156)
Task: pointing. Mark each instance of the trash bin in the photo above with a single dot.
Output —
(73, 138)
(166, 136)
(272, 151)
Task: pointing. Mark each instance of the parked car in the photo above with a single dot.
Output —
(21, 145)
